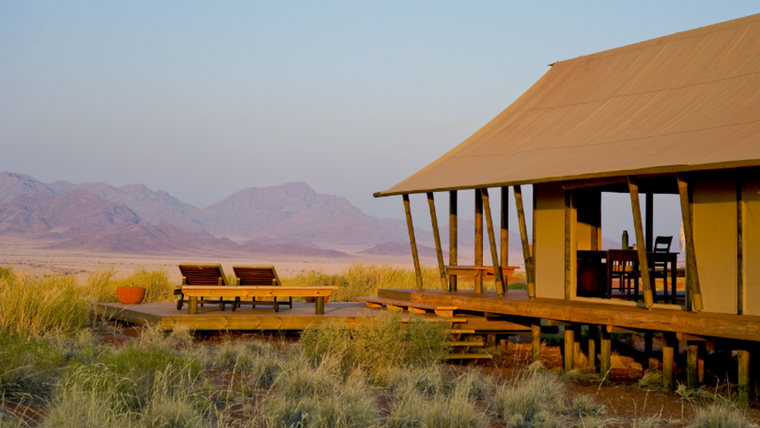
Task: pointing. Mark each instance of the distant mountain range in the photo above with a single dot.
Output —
(290, 219)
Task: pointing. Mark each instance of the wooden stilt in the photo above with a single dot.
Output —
(669, 343)
(527, 256)
(605, 357)
(692, 357)
(498, 280)
(577, 345)
(193, 308)
(744, 377)
(437, 238)
(694, 291)
(504, 241)
(755, 374)
(453, 237)
(593, 332)
(535, 332)
(478, 239)
(569, 353)
(413, 242)
(648, 337)
(320, 305)
(504, 345)
(640, 241)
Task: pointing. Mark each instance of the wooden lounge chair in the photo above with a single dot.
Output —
(200, 274)
(258, 275)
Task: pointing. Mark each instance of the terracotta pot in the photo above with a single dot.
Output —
(130, 295)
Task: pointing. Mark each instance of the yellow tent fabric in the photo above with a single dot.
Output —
(686, 101)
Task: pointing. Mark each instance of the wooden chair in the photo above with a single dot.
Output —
(623, 266)
(259, 275)
(200, 274)
(659, 268)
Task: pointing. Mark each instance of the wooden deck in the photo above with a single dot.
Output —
(302, 316)
(662, 318)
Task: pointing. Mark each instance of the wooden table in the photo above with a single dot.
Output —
(609, 258)
(482, 272)
(195, 291)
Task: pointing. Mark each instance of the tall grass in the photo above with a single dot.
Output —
(379, 344)
(101, 286)
(36, 306)
(362, 279)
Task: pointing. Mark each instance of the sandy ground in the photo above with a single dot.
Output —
(27, 257)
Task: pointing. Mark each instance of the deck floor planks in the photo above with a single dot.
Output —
(300, 317)
(516, 303)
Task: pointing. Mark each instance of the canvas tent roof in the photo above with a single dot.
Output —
(686, 101)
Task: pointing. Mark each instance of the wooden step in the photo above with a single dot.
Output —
(469, 356)
(399, 305)
(461, 343)
(460, 331)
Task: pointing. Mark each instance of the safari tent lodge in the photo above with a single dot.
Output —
(677, 115)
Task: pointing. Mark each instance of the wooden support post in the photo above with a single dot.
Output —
(413, 241)
(498, 280)
(648, 338)
(640, 241)
(569, 348)
(437, 238)
(695, 293)
(320, 303)
(527, 256)
(504, 344)
(669, 342)
(605, 357)
(478, 238)
(193, 305)
(535, 334)
(577, 343)
(593, 333)
(504, 241)
(649, 221)
(692, 373)
(744, 377)
(755, 374)
(453, 237)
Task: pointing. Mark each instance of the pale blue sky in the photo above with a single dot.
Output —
(201, 99)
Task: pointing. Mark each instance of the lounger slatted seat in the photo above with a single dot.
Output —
(200, 274)
(258, 275)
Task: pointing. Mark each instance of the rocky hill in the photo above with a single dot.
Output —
(290, 219)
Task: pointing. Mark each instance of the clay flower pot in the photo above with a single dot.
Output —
(130, 295)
